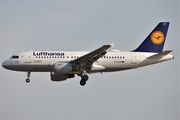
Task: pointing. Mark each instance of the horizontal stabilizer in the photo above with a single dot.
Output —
(162, 54)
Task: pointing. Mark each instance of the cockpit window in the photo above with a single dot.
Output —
(15, 57)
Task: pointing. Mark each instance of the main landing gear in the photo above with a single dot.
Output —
(28, 74)
(84, 78)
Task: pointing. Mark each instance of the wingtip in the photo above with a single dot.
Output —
(112, 44)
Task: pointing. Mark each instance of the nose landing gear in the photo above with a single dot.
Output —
(28, 74)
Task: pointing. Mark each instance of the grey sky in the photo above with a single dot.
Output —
(149, 93)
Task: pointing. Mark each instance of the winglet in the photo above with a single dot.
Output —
(112, 44)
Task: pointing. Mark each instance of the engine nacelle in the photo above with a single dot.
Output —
(60, 77)
(62, 68)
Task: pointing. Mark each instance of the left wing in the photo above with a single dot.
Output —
(88, 59)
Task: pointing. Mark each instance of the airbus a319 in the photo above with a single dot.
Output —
(64, 65)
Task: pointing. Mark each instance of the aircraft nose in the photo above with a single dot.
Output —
(4, 64)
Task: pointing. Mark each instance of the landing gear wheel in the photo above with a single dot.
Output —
(28, 75)
(85, 77)
(27, 80)
(82, 82)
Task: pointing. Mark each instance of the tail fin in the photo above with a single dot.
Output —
(155, 40)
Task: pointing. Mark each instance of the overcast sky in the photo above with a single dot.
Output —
(149, 93)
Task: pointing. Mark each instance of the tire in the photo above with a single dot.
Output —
(85, 77)
(27, 80)
(82, 82)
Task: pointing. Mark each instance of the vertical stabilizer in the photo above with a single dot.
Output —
(155, 40)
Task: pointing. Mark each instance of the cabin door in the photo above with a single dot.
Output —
(28, 57)
(133, 58)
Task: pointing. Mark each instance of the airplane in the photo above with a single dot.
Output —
(64, 65)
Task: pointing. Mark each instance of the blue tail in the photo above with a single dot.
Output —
(155, 40)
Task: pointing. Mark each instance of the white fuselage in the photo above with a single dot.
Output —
(43, 61)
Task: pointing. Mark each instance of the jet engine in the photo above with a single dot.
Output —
(60, 77)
